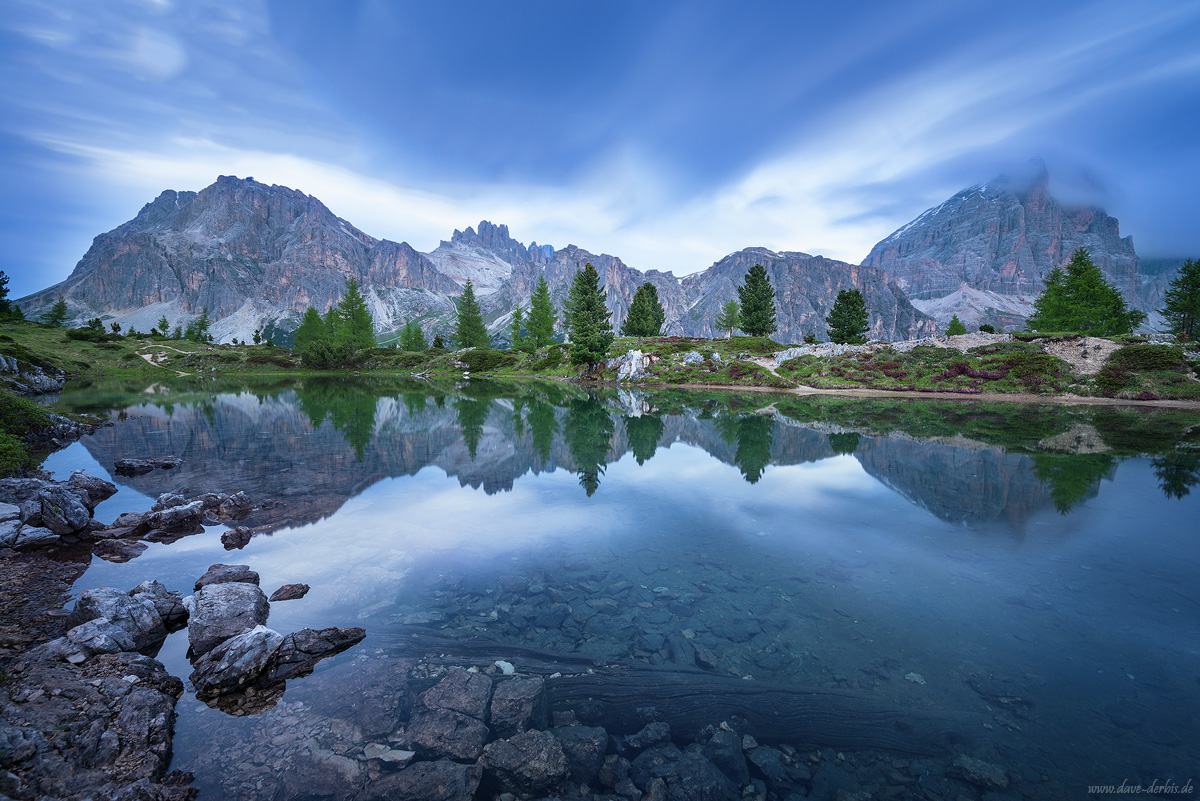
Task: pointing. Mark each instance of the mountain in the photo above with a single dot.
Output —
(249, 253)
(257, 256)
(984, 252)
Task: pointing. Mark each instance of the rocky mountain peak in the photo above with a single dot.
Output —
(983, 253)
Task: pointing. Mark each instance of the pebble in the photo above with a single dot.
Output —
(915, 678)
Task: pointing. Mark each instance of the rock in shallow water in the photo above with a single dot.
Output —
(236, 663)
(290, 592)
(227, 574)
(300, 651)
(442, 780)
(531, 763)
(221, 611)
(518, 705)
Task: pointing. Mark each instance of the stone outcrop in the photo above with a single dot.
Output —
(37, 512)
(221, 611)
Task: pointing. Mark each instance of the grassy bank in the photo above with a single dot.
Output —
(1137, 370)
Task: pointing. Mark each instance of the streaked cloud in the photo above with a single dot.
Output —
(668, 135)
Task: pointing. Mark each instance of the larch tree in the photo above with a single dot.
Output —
(730, 318)
(1078, 298)
(1182, 302)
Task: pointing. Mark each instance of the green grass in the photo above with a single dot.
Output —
(19, 418)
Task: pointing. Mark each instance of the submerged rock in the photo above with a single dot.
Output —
(531, 763)
(584, 748)
(442, 780)
(976, 771)
(518, 705)
(137, 467)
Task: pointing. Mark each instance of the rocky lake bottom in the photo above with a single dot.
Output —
(626, 596)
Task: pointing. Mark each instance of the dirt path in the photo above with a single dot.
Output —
(150, 359)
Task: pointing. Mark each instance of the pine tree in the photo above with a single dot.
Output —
(1182, 302)
(848, 320)
(515, 334)
(5, 303)
(541, 316)
(412, 338)
(438, 344)
(355, 327)
(729, 319)
(163, 325)
(956, 327)
(757, 298)
(1078, 298)
(469, 331)
(646, 314)
(312, 328)
(587, 318)
(57, 314)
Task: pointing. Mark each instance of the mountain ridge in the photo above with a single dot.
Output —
(256, 256)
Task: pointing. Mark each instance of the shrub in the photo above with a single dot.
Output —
(1148, 357)
(552, 359)
(322, 355)
(481, 360)
(90, 335)
(987, 329)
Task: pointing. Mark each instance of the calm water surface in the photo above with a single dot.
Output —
(1033, 569)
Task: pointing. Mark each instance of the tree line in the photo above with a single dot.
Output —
(1077, 299)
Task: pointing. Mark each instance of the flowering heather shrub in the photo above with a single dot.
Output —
(1147, 395)
(955, 370)
(895, 373)
(990, 375)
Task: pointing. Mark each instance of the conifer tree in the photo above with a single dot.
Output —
(729, 319)
(956, 327)
(848, 320)
(412, 338)
(1182, 307)
(163, 326)
(355, 327)
(5, 303)
(1078, 298)
(438, 344)
(516, 333)
(646, 314)
(469, 331)
(57, 314)
(757, 298)
(541, 316)
(587, 318)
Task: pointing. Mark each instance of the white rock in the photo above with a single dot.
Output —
(915, 678)
(505, 667)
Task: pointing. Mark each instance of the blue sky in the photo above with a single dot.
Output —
(667, 133)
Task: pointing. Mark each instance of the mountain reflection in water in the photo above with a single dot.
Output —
(817, 542)
(316, 443)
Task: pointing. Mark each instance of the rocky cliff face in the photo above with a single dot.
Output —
(247, 251)
(256, 255)
(983, 253)
(805, 289)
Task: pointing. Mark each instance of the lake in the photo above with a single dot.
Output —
(1028, 571)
